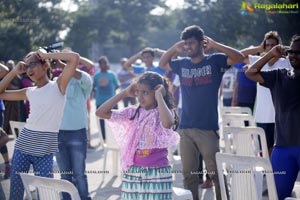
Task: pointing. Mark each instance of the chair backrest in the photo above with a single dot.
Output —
(235, 110)
(48, 188)
(247, 141)
(237, 120)
(237, 176)
(16, 125)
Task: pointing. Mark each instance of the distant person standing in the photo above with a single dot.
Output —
(244, 89)
(147, 56)
(105, 83)
(88, 66)
(125, 77)
(227, 86)
(264, 109)
(12, 108)
(72, 136)
(3, 149)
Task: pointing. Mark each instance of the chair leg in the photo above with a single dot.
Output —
(115, 163)
(104, 163)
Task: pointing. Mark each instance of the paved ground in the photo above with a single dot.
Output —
(105, 186)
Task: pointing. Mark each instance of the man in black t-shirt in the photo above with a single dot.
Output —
(285, 90)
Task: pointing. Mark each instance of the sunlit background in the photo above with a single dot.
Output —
(120, 28)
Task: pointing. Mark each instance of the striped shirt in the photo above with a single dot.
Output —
(36, 143)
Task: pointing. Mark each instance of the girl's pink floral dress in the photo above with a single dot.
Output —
(145, 131)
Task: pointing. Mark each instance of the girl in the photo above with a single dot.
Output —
(38, 140)
(144, 134)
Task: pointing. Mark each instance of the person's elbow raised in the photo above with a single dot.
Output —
(167, 124)
(248, 73)
(252, 74)
(162, 65)
(240, 58)
(76, 58)
(99, 113)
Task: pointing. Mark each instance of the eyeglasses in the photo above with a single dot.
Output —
(31, 65)
(296, 52)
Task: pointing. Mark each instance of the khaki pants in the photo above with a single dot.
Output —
(193, 142)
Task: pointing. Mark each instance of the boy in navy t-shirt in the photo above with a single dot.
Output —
(200, 77)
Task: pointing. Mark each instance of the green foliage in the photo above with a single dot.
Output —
(26, 25)
(112, 23)
(222, 20)
(121, 27)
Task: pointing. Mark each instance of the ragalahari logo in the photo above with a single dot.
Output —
(246, 8)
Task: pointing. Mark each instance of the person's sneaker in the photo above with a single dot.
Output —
(207, 184)
(7, 171)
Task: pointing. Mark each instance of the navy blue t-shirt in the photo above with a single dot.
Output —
(199, 84)
(246, 87)
(285, 93)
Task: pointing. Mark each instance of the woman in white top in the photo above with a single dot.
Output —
(38, 140)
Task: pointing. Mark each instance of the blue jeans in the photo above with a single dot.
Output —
(71, 157)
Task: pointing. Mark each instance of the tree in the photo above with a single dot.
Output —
(136, 20)
(112, 24)
(26, 25)
(91, 23)
(223, 21)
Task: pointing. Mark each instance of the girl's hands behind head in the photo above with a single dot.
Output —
(20, 67)
(130, 90)
(41, 54)
(159, 89)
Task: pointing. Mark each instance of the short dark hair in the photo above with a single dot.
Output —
(272, 35)
(103, 58)
(193, 31)
(148, 50)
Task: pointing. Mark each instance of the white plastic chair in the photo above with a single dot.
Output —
(240, 170)
(181, 194)
(16, 125)
(110, 145)
(174, 159)
(247, 141)
(48, 188)
(237, 120)
(234, 120)
(235, 110)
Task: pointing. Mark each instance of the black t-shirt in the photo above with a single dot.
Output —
(285, 92)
